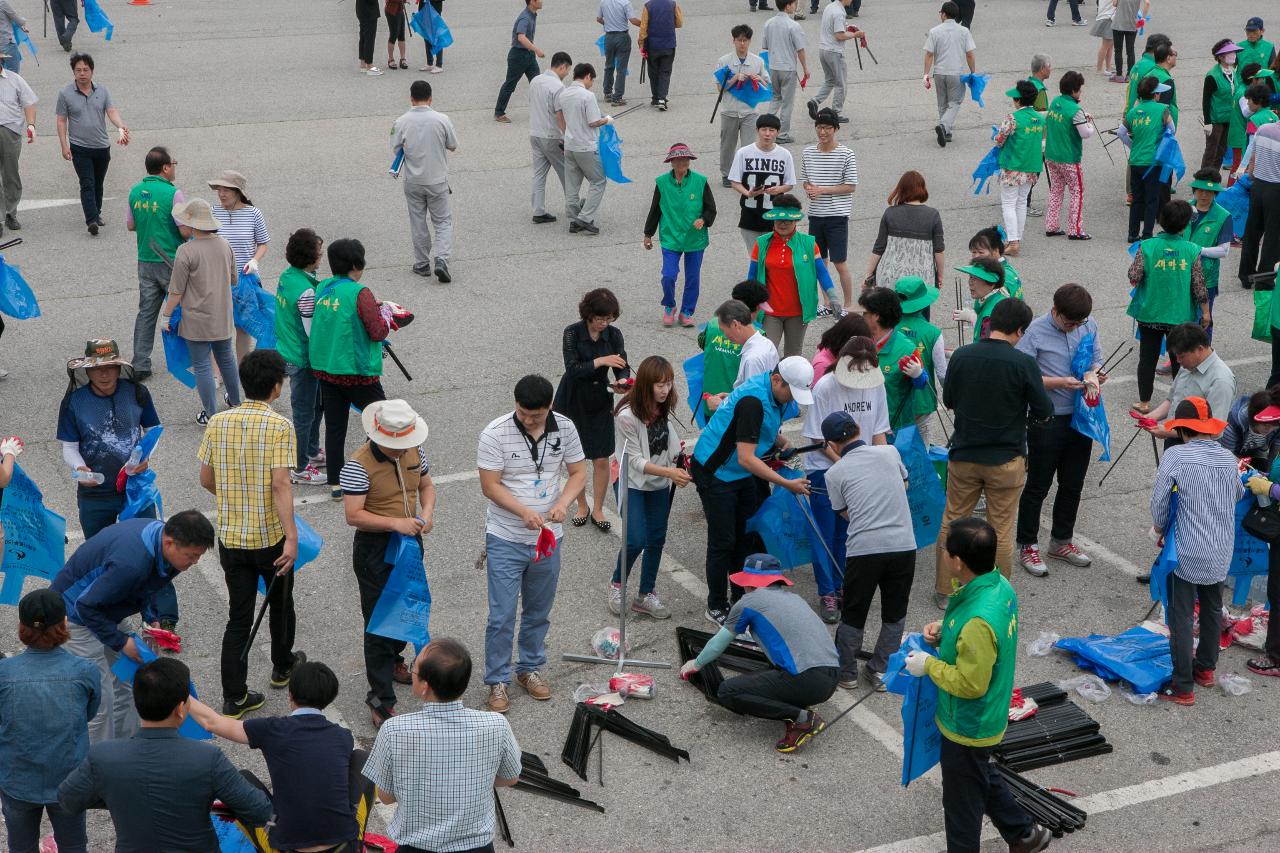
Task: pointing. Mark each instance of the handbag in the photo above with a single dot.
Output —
(1263, 522)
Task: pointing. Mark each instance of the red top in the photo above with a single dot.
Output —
(779, 278)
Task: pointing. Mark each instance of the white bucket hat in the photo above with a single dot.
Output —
(393, 424)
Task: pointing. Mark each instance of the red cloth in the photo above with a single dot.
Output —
(779, 278)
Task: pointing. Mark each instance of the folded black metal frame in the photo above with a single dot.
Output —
(1050, 811)
(580, 740)
(504, 829)
(535, 779)
(1045, 693)
(1059, 732)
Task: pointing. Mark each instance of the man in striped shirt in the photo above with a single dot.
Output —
(829, 174)
(1207, 478)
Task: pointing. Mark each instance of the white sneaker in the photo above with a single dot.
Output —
(319, 459)
(650, 605)
(426, 67)
(310, 476)
(615, 598)
(1067, 552)
(1029, 559)
(373, 71)
(436, 69)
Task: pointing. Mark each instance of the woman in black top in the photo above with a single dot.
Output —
(592, 347)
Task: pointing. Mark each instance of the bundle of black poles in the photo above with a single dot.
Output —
(1049, 810)
(1059, 731)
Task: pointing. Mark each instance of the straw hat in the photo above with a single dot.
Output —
(393, 424)
(196, 213)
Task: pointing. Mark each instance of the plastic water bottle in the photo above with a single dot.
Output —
(135, 459)
(88, 478)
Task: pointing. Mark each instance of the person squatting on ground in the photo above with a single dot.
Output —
(804, 664)
(386, 489)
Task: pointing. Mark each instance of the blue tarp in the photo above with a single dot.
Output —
(987, 169)
(125, 668)
(428, 24)
(693, 375)
(21, 40)
(1168, 159)
(1138, 656)
(34, 537)
(925, 494)
(255, 310)
(16, 297)
(746, 91)
(977, 84)
(1235, 199)
(177, 356)
(1249, 556)
(96, 19)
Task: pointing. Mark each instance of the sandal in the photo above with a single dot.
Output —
(1143, 409)
(403, 64)
(391, 65)
(604, 526)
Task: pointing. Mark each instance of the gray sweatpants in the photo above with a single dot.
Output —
(786, 333)
(950, 90)
(429, 200)
(10, 179)
(832, 62)
(548, 154)
(735, 132)
(577, 166)
(116, 718)
(784, 96)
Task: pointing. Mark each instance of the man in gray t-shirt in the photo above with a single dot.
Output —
(784, 39)
(948, 50)
(83, 109)
(868, 486)
(426, 137)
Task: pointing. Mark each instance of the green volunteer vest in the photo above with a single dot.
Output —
(1238, 128)
(983, 308)
(1041, 102)
(681, 204)
(1023, 151)
(1164, 295)
(897, 387)
(1164, 76)
(720, 357)
(1205, 235)
(339, 344)
(151, 201)
(981, 721)
(1062, 141)
(1146, 127)
(922, 333)
(291, 335)
(1012, 280)
(803, 250)
(1261, 53)
(1140, 69)
(1223, 101)
(1263, 117)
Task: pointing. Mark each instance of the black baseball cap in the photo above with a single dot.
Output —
(41, 608)
(839, 426)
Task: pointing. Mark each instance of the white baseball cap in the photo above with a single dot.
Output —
(797, 372)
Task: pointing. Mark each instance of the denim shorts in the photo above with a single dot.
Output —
(832, 234)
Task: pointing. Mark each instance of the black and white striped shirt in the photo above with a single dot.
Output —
(244, 228)
(827, 169)
(1208, 479)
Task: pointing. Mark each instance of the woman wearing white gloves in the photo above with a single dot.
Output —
(244, 227)
(10, 448)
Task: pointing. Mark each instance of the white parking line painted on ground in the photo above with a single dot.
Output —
(1120, 798)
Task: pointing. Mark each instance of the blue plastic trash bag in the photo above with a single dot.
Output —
(693, 376)
(1138, 656)
(1168, 159)
(16, 298)
(428, 24)
(309, 545)
(255, 310)
(1235, 199)
(1167, 560)
(404, 608)
(921, 739)
(925, 494)
(1249, 556)
(977, 84)
(34, 537)
(987, 168)
(231, 838)
(177, 356)
(96, 19)
(21, 40)
(783, 525)
(1089, 421)
(141, 493)
(125, 668)
(611, 154)
(746, 91)
(764, 57)
(600, 44)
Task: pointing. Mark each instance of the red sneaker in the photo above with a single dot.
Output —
(1167, 695)
(1265, 665)
(1203, 677)
(797, 734)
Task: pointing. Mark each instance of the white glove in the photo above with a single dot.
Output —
(1238, 174)
(1208, 130)
(166, 320)
(915, 663)
(608, 119)
(11, 446)
(968, 315)
(1155, 535)
(688, 669)
(251, 268)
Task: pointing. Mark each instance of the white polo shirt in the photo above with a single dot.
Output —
(759, 355)
(580, 108)
(531, 472)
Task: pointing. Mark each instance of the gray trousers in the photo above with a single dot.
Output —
(577, 166)
(1183, 596)
(429, 200)
(548, 154)
(116, 718)
(832, 78)
(153, 289)
(735, 132)
(10, 179)
(788, 329)
(784, 96)
(950, 90)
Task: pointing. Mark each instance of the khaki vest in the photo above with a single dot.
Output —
(393, 483)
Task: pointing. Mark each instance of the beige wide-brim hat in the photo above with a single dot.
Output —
(393, 424)
(232, 180)
(850, 377)
(196, 213)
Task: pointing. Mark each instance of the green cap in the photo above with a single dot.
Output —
(789, 213)
(1014, 93)
(1211, 186)
(1265, 72)
(979, 272)
(915, 294)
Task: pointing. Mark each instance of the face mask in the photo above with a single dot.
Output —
(1229, 59)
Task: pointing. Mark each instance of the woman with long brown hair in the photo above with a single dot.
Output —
(910, 239)
(647, 433)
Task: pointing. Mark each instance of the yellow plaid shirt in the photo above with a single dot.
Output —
(243, 445)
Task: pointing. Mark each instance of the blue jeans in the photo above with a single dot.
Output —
(513, 575)
(834, 529)
(647, 514)
(22, 820)
(97, 513)
(153, 289)
(14, 62)
(202, 355)
(308, 410)
(692, 280)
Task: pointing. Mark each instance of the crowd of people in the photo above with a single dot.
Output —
(112, 713)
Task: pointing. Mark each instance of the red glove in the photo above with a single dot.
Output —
(120, 481)
(400, 316)
(755, 84)
(166, 640)
(803, 80)
(862, 40)
(546, 544)
(1144, 423)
